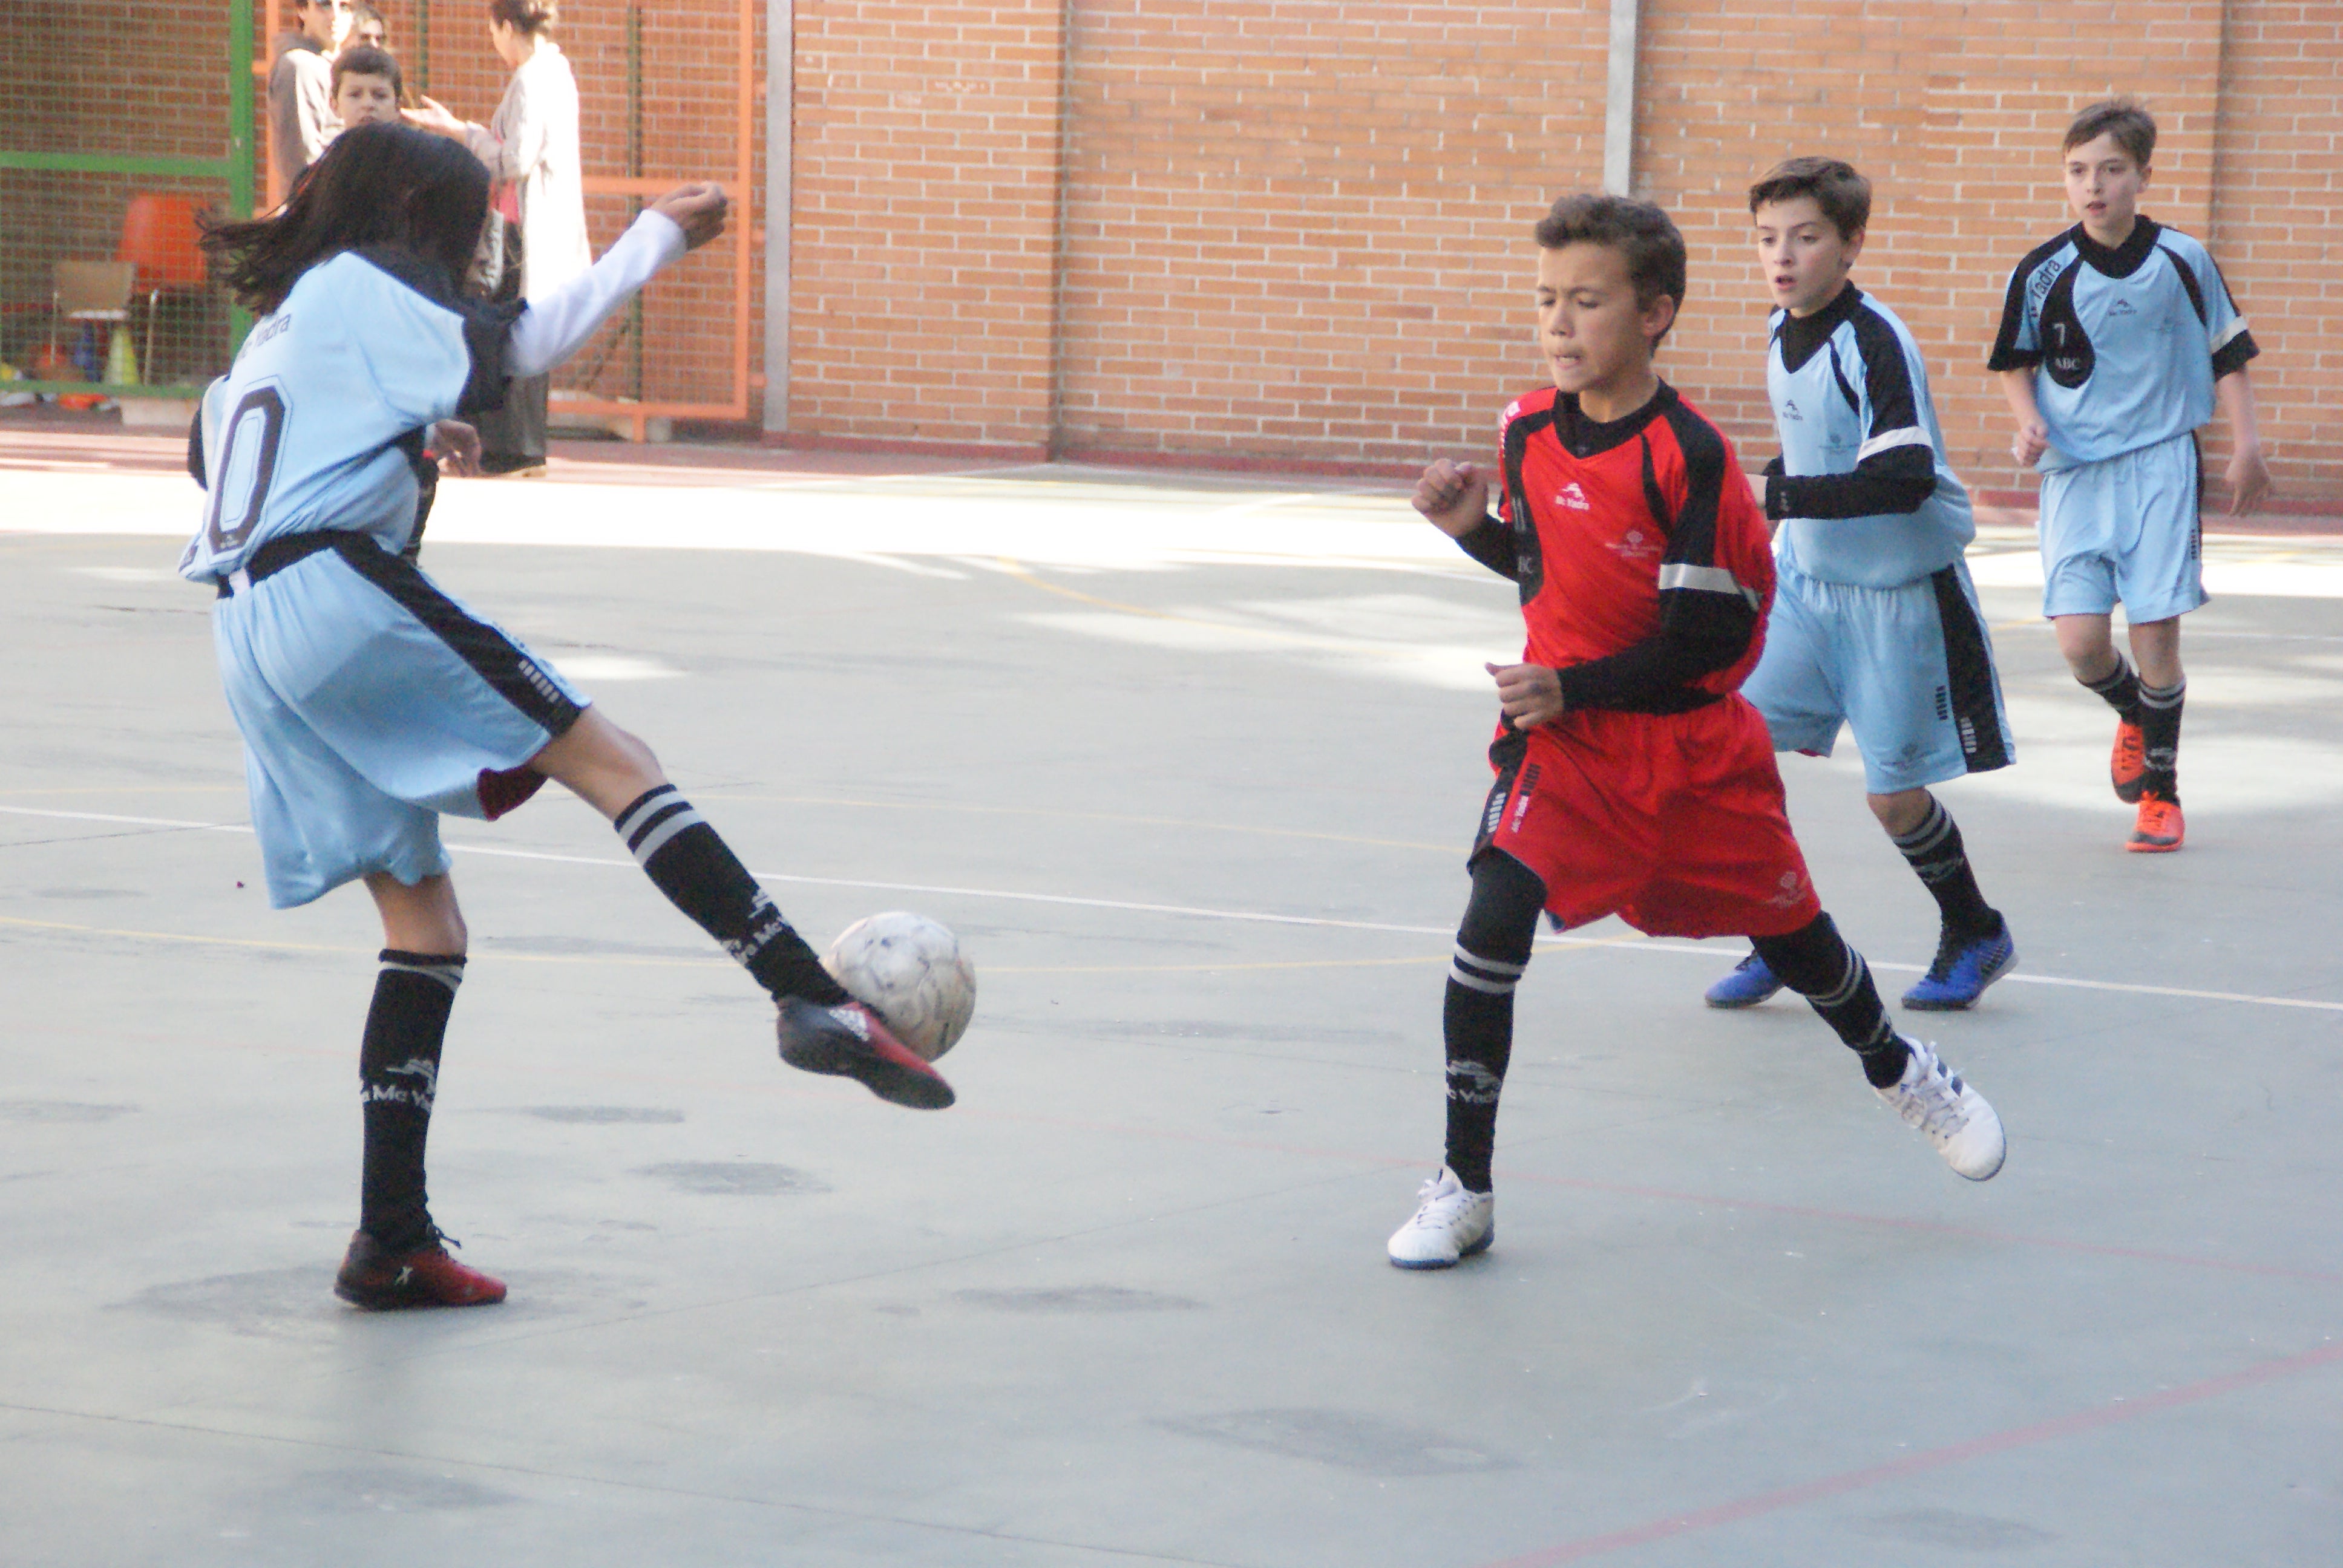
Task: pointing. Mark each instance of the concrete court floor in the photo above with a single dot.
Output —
(1126, 1302)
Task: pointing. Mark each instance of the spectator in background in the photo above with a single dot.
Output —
(530, 147)
(368, 28)
(301, 86)
(367, 86)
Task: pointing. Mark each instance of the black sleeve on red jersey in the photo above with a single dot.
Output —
(1707, 616)
(1491, 543)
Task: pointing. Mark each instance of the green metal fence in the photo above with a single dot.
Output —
(104, 161)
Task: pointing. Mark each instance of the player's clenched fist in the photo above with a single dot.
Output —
(1530, 694)
(1455, 495)
(699, 209)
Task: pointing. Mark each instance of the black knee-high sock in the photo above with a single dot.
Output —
(1941, 861)
(703, 878)
(2160, 729)
(2120, 688)
(1816, 961)
(398, 1076)
(1476, 1017)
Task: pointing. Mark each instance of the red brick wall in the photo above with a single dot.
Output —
(2277, 181)
(1955, 113)
(1294, 227)
(925, 180)
(1296, 230)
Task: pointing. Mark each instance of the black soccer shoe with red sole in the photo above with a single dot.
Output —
(848, 1040)
(385, 1282)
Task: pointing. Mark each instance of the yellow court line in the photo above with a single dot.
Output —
(1301, 640)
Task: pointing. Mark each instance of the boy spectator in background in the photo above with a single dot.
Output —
(368, 28)
(301, 86)
(1876, 624)
(1632, 778)
(2117, 340)
(367, 86)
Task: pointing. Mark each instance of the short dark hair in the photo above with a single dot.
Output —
(2132, 126)
(1638, 230)
(531, 16)
(376, 185)
(1844, 195)
(366, 60)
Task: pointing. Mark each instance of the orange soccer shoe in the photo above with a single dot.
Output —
(385, 1282)
(2127, 768)
(2159, 829)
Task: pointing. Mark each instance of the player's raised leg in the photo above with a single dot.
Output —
(1817, 963)
(821, 1029)
(1974, 946)
(397, 1258)
(1455, 1215)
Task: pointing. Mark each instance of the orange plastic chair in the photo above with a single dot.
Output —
(158, 236)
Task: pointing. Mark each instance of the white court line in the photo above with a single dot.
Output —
(1624, 944)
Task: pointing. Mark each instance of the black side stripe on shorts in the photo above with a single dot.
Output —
(1968, 673)
(1506, 753)
(511, 673)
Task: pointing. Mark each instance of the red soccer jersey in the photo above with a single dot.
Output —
(1639, 533)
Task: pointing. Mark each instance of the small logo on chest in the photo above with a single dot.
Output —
(2121, 307)
(1790, 410)
(1634, 545)
(1574, 497)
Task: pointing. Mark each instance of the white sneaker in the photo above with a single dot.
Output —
(1954, 1117)
(1450, 1223)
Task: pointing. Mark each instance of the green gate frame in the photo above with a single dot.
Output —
(234, 166)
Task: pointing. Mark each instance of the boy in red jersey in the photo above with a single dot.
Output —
(1632, 778)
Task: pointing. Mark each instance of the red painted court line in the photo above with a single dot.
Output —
(1764, 1503)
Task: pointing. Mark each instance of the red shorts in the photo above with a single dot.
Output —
(1673, 821)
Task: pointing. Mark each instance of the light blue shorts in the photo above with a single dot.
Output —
(371, 702)
(2126, 528)
(1909, 668)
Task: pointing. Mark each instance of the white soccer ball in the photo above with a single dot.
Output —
(909, 970)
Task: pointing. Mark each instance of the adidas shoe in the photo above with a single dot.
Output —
(2128, 766)
(1954, 1116)
(386, 1281)
(2160, 828)
(1965, 966)
(849, 1040)
(1750, 983)
(1450, 1223)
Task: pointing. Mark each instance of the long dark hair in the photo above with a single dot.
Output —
(377, 185)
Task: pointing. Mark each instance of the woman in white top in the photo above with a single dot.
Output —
(530, 148)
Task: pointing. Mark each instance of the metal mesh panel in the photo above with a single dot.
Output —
(115, 172)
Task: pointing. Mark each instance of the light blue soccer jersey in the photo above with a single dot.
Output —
(2129, 340)
(320, 422)
(1863, 489)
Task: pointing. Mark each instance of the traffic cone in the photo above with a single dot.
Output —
(121, 358)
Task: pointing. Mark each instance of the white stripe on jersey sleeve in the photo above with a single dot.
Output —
(1886, 440)
(1703, 579)
(2222, 338)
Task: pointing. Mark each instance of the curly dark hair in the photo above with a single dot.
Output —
(377, 185)
(1642, 233)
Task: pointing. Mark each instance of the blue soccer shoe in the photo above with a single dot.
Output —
(1750, 983)
(1965, 966)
